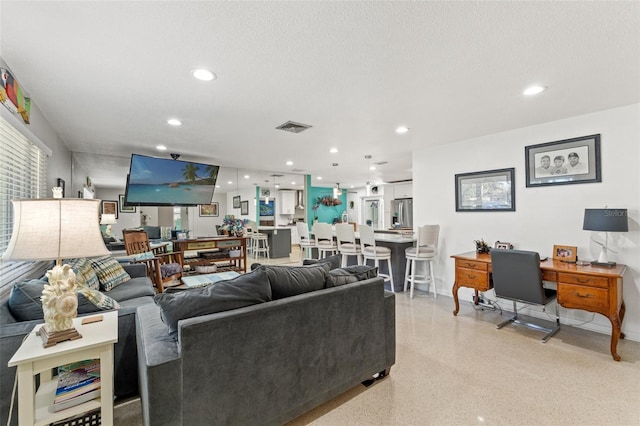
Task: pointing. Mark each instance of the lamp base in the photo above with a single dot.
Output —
(52, 339)
(603, 264)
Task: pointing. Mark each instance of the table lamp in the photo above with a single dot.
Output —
(605, 220)
(56, 229)
(107, 219)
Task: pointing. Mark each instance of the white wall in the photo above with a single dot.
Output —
(206, 226)
(544, 216)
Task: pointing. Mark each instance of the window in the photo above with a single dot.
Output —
(23, 174)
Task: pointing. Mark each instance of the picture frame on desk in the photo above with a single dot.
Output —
(564, 162)
(567, 254)
(110, 207)
(502, 245)
(487, 191)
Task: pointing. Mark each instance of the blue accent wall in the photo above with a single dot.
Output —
(324, 213)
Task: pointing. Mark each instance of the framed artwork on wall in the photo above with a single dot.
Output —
(244, 208)
(488, 191)
(208, 210)
(236, 202)
(110, 207)
(563, 162)
(123, 208)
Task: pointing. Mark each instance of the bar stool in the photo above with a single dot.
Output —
(259, 241)
(307, 244)
(324, 239)
(346, 240)
(371, 252)
(425, 251)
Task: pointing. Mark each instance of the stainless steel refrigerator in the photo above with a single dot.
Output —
(402, 212)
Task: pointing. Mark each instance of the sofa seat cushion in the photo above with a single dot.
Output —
(287, 281)
(350, 274)
(25, 300)
(110, 272)
(135, 287)
(245, 290)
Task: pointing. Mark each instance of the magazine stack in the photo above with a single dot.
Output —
(78, 382)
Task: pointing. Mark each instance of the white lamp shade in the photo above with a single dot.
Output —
(52, 229)
(107, 219)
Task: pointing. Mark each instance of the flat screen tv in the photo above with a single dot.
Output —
(164, 182)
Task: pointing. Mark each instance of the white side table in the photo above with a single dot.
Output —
(34, 406)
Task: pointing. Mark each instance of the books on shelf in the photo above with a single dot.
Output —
(78, 382)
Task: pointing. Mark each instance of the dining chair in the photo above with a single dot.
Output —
(372, 252)
(424, 252)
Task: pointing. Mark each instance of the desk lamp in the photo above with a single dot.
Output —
(605, 220)
(56, 229)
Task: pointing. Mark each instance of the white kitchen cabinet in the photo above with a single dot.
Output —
(403, 190)
(288, 202)
(295, 239)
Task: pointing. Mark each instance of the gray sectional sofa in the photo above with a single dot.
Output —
(267, 362)
(130, 295)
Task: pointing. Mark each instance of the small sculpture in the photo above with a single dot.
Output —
(59, 299)
(57, 191)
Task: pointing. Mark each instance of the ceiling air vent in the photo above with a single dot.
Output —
(293, 127)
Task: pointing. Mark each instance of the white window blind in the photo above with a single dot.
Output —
(23, 174)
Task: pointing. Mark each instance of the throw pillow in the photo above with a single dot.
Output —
(350, 274)
(334, 261)
(84, 272)
(246, 290)
(90, 300)
(143, 256)
(289, 281)
(109, 271)
(24, 301)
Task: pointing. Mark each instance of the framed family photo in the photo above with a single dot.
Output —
(564, 162)
(565, 253)
(488, 191)
(209, 210)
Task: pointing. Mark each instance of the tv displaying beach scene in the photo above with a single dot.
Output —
(165, 182)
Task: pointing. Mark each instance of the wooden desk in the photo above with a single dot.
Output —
(589, 288)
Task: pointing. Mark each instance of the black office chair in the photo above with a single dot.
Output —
(517, 277)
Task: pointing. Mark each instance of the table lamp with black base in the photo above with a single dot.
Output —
(605, 220)
(56, 229)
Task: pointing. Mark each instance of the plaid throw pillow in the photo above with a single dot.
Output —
(100, 300)
(84, 272)
(110, 273)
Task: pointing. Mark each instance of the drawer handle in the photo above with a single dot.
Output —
(472, 277)
(583, 281)
(470, 265)
(584, 296)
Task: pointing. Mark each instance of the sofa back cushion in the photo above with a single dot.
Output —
(334, 261)
(25, 300)
(289, 281)
(245, 290)
(350, 274)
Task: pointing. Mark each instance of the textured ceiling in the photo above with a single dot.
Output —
(107, 76)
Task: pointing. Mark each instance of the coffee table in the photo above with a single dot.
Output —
(204, 280)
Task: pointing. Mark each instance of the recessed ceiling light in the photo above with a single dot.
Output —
(217, 186)
(161, 148)
(333, 150)
(277, 185)
(402, 129)
(203, 74)
(372, 168)
(289, 163)
(533, 90)
(293, 183)
(230, 182)
(247, 176)
(174, 122)
(319, 178)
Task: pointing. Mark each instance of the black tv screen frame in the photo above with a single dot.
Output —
(154, 181)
